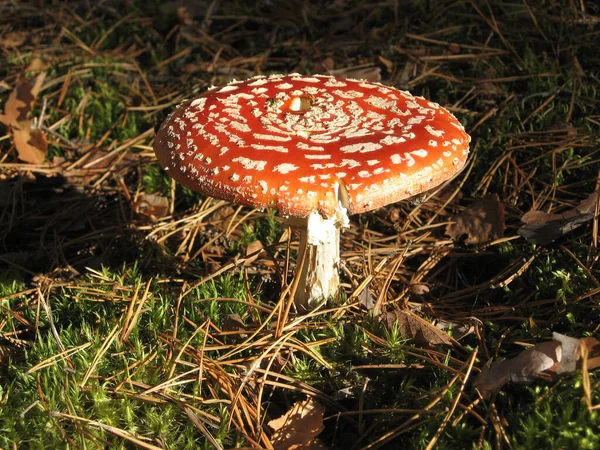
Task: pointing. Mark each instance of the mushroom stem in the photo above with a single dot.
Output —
(319, 278)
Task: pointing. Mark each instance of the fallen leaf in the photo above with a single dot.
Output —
(366, 299)
(413, 327)
(419, 289)
(480, 220)
(20, 101)
(233, 322)
(569, 353)
(152, 206)
(542, 228)
(13, 39)
(31, 143)
(18, 105)
(559, 356)
(36, 65)
(253, 247)
(298, 428)
(524, 368)
(458, 330)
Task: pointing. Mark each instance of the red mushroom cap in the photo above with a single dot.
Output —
(294, 142)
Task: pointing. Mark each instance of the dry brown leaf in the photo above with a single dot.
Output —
(152, 206)
(419, 289)
(31, 143)
(253, 247)
(13, 39)
(458, 330)
(20, 101)
(37, 65)
(524, 368)
(542, 228)
(415, 328)
(18, 105)
(233, 322)
(299, 427)
(367, 299)
(483, 219)
(569, 353)
(37, 84)
(559, 356)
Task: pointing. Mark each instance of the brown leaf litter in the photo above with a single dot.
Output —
(152, 206)
(548, 359)
(31, 142)
(254, 248)
(299, 427)
(542, 228)
(481, 220)
(415, 328)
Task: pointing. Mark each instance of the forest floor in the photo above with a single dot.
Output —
(134, 312)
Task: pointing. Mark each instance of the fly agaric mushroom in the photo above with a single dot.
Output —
(316, 148)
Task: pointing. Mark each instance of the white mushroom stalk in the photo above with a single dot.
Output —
(320, 239)
(315, 148)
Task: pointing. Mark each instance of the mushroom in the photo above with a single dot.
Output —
(316, 148)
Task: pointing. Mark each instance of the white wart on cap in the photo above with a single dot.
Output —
(297, 143)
